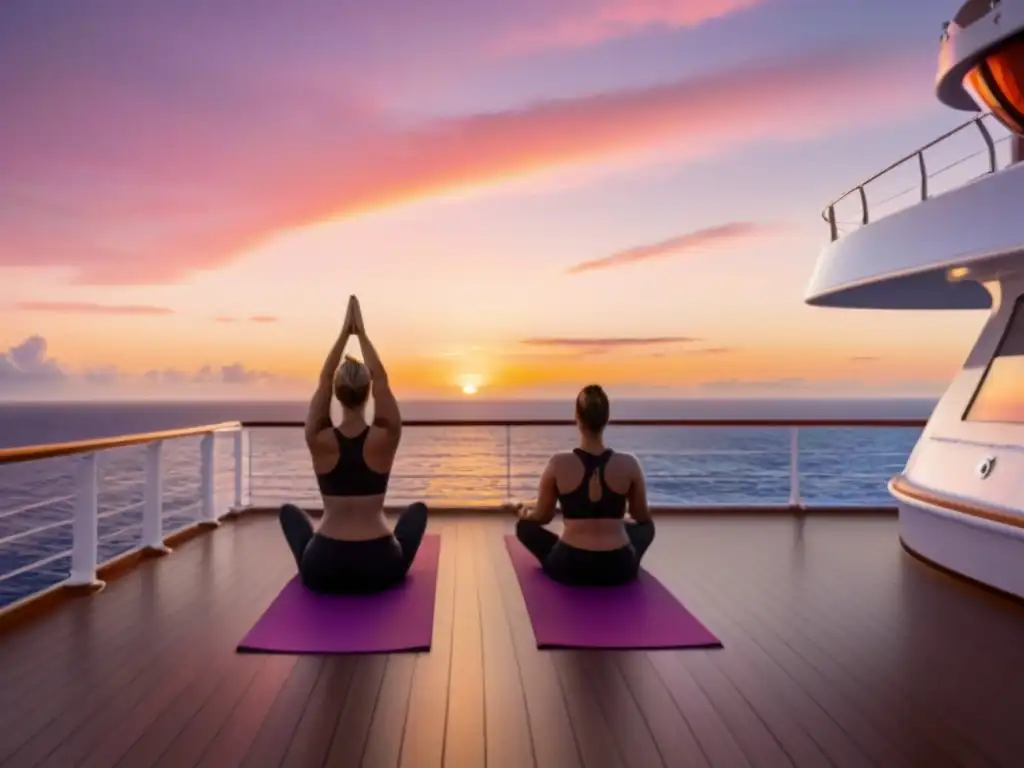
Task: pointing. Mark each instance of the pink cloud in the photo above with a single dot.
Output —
(89, 308)
(585, 22)
(174, 194)
(691, 241)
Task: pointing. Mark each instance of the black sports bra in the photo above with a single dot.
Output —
(351, 476)
(577, 505)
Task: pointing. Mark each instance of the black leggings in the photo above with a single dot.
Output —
(335, 566)
(585, 567)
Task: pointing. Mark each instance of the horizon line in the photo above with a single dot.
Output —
(547, 399)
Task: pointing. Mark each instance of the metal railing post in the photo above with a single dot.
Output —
(508, 462)
(239, 443)
(85, 527)
(794, 467)
(248, 465)
(919, 154)
(153, 504)
(989, 143)
(924, 175)
(207, 484)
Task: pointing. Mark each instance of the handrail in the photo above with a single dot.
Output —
(86, 541)
(882, 423)
(829, 213)
(901, 486)
(55, 450)
(793, 425)
(84, 522)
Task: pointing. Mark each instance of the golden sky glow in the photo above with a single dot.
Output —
(544, 205)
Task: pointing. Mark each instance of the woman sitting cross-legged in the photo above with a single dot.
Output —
(593, 486)
(353, 550)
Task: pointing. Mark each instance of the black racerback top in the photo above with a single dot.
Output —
(577, 505)
(351, 476)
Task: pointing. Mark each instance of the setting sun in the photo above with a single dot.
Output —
(469, 389)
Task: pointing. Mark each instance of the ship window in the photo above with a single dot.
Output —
(1000, 397)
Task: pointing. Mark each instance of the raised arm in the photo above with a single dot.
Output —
(318, 418)
(386, 414)
(639, 509)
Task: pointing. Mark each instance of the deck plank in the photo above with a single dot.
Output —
(313, 734)
(839, 650)
(348, 741)
(390, 714)
(841, 732)
(670, 729)
(117, 707)
(822, 619)
(427, 720)
(466, 727)
(509, 740)
(276, 732)
(231, 742)
(851, 734)
(97, 670)
(554, 741)
(626, 721)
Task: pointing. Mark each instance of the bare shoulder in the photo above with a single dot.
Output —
(558, 463)
(627, 461)
(384, 437)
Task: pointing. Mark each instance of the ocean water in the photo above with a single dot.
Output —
(457, 465)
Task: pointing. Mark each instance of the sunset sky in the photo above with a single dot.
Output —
(526, 196)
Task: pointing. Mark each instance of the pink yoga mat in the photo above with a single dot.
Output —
(399, 619)
(639, 615)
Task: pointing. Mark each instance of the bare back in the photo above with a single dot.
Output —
(623, 476)
(354, 517)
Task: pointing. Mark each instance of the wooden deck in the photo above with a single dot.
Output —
(840, 650)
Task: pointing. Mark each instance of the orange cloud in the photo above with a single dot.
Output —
(696, 352)
(600, 345)
(89, 308)
(689, 242)
(593, 21)
(253, 319)
(222, 198)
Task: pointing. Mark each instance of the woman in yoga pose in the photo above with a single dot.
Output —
(353, 550)
(593, 486)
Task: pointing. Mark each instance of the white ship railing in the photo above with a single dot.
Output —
(86, 514)
(213, 503)
(981, 139)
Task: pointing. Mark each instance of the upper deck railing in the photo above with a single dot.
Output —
(989, 152)
(100, 511)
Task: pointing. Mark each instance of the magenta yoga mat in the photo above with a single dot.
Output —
(640, 615)
(399, 619)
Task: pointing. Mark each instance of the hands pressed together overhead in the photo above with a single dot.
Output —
(353, 318)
